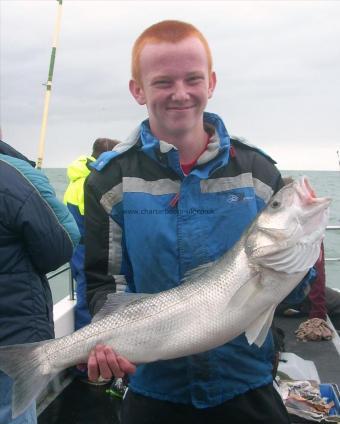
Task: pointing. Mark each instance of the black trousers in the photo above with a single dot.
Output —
(262, 406)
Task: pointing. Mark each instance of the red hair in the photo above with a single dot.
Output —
(169, 31)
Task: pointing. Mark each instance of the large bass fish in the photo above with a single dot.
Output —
(236, 294)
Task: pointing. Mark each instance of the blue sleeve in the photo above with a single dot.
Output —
(301, 291)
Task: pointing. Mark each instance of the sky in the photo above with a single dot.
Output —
(277, 66)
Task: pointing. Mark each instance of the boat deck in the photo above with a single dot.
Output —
(81, 403)
(324, 353)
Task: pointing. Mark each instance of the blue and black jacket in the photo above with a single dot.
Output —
(148, 221)
(37, 235)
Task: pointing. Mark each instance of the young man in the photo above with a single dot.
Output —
(77, 172)
(178, 194)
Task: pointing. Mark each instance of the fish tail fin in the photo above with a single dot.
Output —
(25, 364)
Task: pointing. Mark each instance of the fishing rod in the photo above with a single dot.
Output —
(49, 87)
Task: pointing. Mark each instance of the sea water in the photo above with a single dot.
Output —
(325, 183)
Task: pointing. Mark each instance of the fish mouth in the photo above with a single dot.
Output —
(304, 189)
(305, 225)
(317, 207)
(308, 197)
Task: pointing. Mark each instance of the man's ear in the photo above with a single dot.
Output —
(137, 91)
(212, 84)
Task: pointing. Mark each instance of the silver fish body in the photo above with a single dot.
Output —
(238, 293)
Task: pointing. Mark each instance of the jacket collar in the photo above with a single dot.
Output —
(216, 155)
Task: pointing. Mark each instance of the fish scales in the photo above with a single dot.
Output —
(163, 335)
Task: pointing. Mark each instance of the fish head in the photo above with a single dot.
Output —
(286, 236)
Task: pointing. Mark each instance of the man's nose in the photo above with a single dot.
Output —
(180, 92)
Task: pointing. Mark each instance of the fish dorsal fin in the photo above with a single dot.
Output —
(195, 273)
(258, 330)
(116, 301)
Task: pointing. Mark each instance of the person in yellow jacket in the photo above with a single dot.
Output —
(77, 172)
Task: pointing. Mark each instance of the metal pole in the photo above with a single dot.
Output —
(71, 288)
(49, 88)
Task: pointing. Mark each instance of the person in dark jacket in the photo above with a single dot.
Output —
(37, 235)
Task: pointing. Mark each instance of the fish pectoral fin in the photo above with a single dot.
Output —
(115, 301)
(245, 293)
(259, 328)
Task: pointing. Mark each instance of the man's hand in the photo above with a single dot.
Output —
(103, 361)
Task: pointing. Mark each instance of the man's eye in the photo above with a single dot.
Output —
(193, 80)
(162, 83)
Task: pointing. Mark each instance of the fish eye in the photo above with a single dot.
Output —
(275, 204)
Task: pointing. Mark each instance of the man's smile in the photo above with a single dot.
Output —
(180, 108)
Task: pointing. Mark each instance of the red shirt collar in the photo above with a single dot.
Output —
(187, 167)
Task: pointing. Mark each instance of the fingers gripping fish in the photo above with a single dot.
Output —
(216, 303)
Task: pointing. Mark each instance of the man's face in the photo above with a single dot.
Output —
(175, 86)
